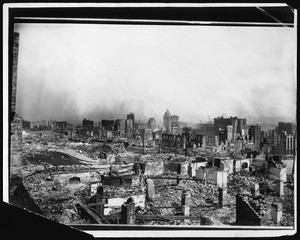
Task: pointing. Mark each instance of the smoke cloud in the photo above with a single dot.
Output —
(71, 72)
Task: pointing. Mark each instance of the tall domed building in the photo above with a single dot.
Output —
(167, 121)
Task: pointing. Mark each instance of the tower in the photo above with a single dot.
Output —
(167, 121)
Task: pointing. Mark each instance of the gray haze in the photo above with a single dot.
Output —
(68, 72)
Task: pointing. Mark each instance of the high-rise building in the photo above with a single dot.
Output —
(88, 125)
(286, 144)
(237, 124)
(245, 131)
(230, 133)
(167, 121)
(119, 127)
(174, 122)
(107, 124)
(128, 128)
(234, 124)
(285, 127)
(151, 123)
(241, 122)
(208, 130)
(254, 135)
(130, 116)
(221, 124)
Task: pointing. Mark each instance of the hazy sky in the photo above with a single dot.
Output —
(67, 72)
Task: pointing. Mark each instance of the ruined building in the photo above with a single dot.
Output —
(174, 123)
(285, 127)
(151, 123)
(167, 121)
(87, 124)
(129, 128)
(254, 135)
(221, 124)
(130, 116)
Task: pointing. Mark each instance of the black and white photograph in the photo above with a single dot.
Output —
(147, 117)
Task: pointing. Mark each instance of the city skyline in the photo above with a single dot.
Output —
(105, 71)
(264, 125)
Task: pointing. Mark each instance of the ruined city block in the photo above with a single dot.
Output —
(89, 137)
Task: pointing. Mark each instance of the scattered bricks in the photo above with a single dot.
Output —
(126, 181)
(276, 212)
(186, 198)
(263, 187)
(254, 189)
(57, 186)
(154, 168)
(150, 190)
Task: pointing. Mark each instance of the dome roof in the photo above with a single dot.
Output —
(167, 113)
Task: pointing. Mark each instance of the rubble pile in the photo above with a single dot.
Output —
(56, 202)
(58, 174)
(240, 183)
(42, 157)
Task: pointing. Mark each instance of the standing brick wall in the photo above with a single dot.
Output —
(245, 213)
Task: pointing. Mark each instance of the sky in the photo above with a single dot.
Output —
(101, 71)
